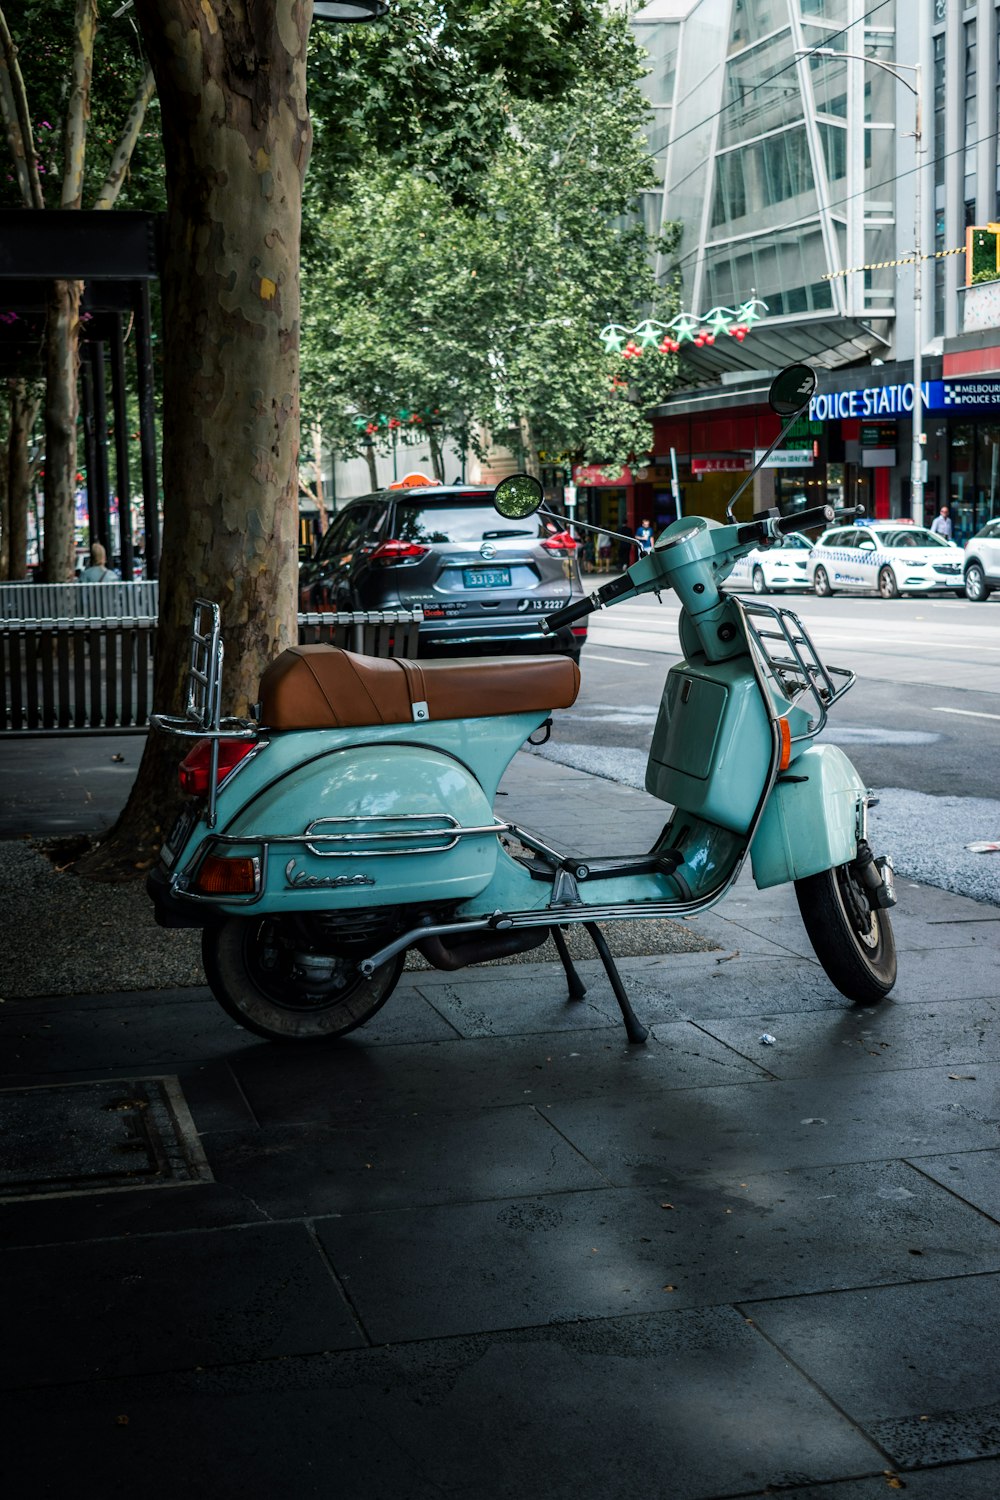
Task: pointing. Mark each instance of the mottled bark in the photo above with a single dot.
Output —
(23, 410)
(231, 86)
(62, 408)
(78, 105)
(372, 462)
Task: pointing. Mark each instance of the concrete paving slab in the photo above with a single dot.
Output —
(463, 1268)
(805, 1122)
(307, 1170)
(958, 1034)
(352, 1082)
(107, 1308)
(908, 1364)
(973, 1176)
(692, 1405)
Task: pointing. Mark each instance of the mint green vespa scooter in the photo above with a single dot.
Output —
(352, 818)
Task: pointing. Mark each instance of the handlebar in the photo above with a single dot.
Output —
(801, 520)
(606, 594)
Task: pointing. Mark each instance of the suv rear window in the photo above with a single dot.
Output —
(451, 521)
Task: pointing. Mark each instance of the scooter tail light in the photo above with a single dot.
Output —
(580, 631)
(785, 730)
(195, 770)
(233, 875)
(393, 550)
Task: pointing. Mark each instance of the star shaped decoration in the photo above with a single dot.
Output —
(614, 337)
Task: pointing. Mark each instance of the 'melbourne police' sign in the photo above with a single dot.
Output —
(897, 400)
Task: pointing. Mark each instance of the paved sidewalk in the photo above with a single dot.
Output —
(486, 1248)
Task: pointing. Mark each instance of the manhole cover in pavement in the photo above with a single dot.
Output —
(97, 1137)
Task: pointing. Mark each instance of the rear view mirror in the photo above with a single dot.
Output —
(791, 389)
(518, 496)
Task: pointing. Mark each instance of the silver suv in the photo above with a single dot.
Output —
(483, 583)
(982, 563)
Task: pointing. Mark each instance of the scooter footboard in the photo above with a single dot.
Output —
(813, 819)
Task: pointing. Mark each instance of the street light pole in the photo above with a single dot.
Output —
(917, 425)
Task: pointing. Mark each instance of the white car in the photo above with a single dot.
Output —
(784, 565)
(885, 557)
(982, 563)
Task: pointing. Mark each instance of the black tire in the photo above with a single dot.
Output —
(821, 583)
(852, 940)
(975, 584)
(757, 581)
(887, 586)
(255, 969)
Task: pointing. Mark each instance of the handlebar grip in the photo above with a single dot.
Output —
(819, 515)
(570, 612)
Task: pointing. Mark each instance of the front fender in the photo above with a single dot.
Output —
(813, 818)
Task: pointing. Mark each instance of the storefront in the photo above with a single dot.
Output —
(853, 446)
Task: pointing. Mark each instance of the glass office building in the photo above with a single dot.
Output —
(794, 175)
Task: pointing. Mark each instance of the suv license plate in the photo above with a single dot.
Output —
(486, 578)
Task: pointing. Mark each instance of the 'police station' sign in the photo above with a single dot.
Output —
(897, 400)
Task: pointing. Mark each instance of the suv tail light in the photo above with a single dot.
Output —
(562, 542)
(392, 550)
(195, 769)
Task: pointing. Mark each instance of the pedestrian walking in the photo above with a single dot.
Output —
(942, 523)
(644, 534)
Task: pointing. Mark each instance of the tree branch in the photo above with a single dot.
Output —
(78, 104)
(17, 119)
(126, 144)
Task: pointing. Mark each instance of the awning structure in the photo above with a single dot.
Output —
(826, 342)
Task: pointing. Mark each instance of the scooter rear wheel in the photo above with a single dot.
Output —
(265, 976)
(852, 939)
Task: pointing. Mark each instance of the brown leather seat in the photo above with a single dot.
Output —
(323, 687)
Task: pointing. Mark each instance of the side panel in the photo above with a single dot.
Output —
(812, 824)
(383, 804)
(712, 745)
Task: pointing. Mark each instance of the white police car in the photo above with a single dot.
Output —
(885, 557)
(784, 565)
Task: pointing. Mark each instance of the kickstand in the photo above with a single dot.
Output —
(577, 988)
(635, 1031)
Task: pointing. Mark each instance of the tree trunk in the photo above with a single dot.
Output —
(372, 465)
(532, 463)
(23, 409)
(62, 408)
(320, 494)
(231, 85)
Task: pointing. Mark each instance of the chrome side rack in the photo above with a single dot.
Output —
(791, 661)
(202, 718)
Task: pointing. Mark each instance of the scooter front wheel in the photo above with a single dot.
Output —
(852, 939)
(266, 977)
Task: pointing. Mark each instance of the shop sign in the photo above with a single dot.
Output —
(876, 401)
(719, 465)
(969, 395)
(897, 400)
(594, 476)
(785, 458)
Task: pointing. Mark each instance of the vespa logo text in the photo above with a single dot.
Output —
(301, 879)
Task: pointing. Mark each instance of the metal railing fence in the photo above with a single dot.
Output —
(95, 676)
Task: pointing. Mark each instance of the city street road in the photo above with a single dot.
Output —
(922, 721)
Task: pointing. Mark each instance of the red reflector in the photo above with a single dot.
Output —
(195, 769)
(392, 550)
(226, 877)
(578, 630)
(561, 542)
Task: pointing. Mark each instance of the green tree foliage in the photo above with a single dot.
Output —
(483, 307)
(45, 35)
